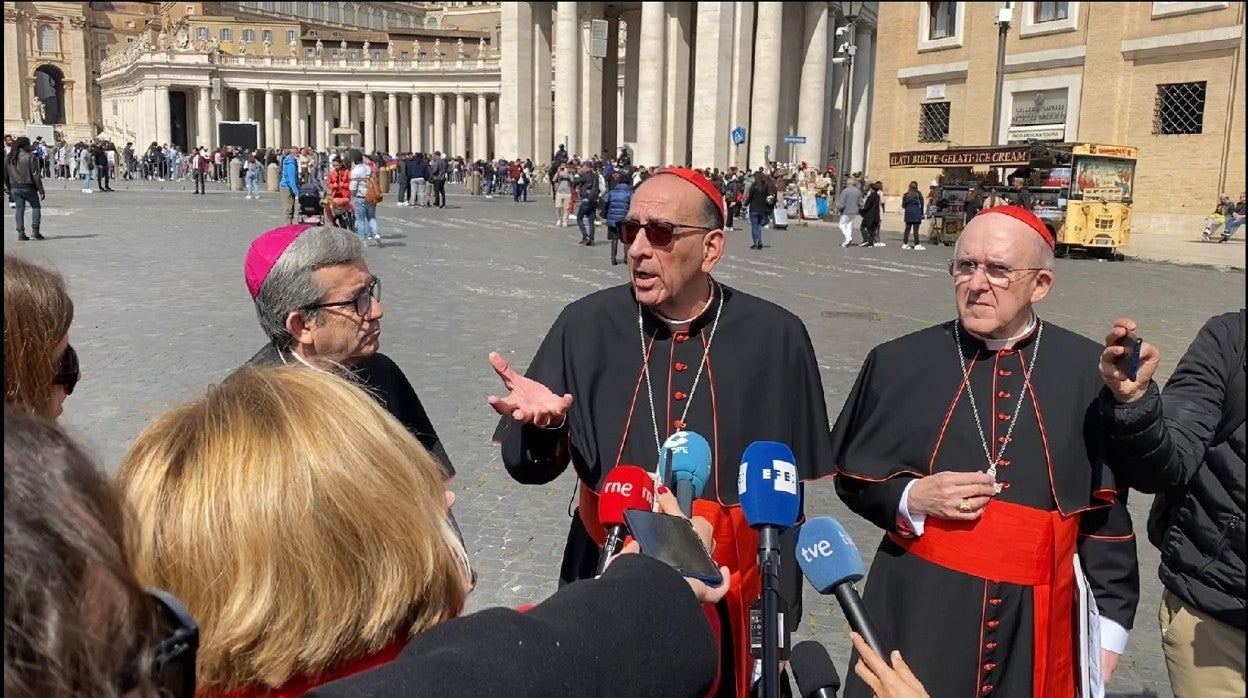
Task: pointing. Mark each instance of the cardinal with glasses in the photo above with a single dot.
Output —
(982, 463)
(673, 349)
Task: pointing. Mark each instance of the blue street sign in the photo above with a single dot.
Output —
(795, 140)
(738, 135)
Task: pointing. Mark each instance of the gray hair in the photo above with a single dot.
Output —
(292, 284)
(1042, 255)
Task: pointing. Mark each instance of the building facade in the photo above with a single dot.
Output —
(1165, 77)
(48, 59)
(680, 77)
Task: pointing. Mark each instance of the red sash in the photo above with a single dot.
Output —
(1025, 546)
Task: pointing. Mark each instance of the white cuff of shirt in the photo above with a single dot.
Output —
(1113, 636)
(915, 520)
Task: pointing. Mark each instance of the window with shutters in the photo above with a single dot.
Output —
(943, 20)
(290, 35)
(1051, 11)
(1179, 109)
(267, 36)
(249, 35)
(201, 33)
(933, 122)
(225, 34)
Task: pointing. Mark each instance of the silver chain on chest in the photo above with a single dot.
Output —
(970, 394)
(645, 367)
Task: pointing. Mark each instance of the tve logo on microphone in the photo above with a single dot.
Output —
(822, 547)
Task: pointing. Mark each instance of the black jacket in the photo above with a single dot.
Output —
(1187, 445)
(587, 190)
(635, 631)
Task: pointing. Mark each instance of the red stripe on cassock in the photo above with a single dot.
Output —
(1041, 547)
(966, 380)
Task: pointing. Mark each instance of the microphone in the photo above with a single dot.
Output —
(626, 487)
(770, 500)
(690, 467)
(831, 563)
(813, 668)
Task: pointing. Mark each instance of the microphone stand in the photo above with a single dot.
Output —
(615, 536)
(769, 567)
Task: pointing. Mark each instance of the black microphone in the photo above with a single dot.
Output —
(813, 668)
(831, 563)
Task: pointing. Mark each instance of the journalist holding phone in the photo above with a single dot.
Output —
(1186, 444)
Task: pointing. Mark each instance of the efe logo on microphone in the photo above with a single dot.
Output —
(783, 476)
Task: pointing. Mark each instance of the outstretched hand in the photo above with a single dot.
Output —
(1124, 389)
(528, 401)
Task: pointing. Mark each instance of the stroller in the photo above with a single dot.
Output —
(308, 206)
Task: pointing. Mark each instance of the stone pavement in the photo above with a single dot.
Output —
(162, 311)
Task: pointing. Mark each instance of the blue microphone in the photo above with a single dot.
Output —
(771, 500)
(831, 563)
(690, 458)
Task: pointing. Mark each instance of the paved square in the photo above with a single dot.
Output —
(162, 311)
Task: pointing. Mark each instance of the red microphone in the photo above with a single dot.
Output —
(627, 487)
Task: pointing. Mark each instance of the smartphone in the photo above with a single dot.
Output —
(1130, 361)
(673, 540)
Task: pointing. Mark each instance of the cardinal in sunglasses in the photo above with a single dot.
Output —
(673, 349)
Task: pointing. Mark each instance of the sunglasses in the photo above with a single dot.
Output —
(67, 371)
(659, 233)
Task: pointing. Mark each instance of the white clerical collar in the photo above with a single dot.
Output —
(999, 344)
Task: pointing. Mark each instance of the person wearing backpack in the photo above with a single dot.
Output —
(1186, 444)
(86, 166)
(617, 202)
(365, 195)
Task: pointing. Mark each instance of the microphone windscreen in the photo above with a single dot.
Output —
(813, 668)
(826, 554)
(691, 459)
(767, 485)
(626, 487)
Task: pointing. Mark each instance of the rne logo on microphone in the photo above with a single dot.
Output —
(784, 478)
(625, 489)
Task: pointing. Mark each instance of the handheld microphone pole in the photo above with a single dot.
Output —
(768, 490)
(626, 487)
(831, 563)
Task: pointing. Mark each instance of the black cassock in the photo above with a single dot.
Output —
(986, 607)
(760, 382)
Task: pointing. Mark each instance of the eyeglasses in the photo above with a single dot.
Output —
(962, 270)
(67, 371)
(172, 665)
(659, 233)
(362, 301)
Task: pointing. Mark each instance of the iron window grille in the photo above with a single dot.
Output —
(933, 122)
(1179, 109)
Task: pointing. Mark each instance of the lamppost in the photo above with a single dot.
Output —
(1005, 15)
(846, 51)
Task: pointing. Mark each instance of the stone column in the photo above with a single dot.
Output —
(370, 124)
(543, 104)
(765, 108)
(568, 60)
(611, 89)
(354, 121)
(712, 90)
(344, 109)
(481, 137)
(244, 105)
(322, 132)
(204, 124)
(417, 114)
(439, 123)
(679, 38)
(591, 83)
(632, 65)
(515, 135)
(392, 123)
(650, 87)
(162, 114)
(298, 121)
(270, 114)
(741, 80)
(218, 115)
(810, 113)
(461, 123)
(864, 67)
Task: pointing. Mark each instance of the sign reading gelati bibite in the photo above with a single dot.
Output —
(960, 157)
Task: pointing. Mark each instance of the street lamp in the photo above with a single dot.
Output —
(1005, 15)
(846, 51)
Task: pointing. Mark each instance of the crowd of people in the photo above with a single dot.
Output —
(296, 519)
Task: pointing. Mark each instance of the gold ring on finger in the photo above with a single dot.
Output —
(965, 506)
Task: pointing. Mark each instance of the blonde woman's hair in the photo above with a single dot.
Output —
(302, 525)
